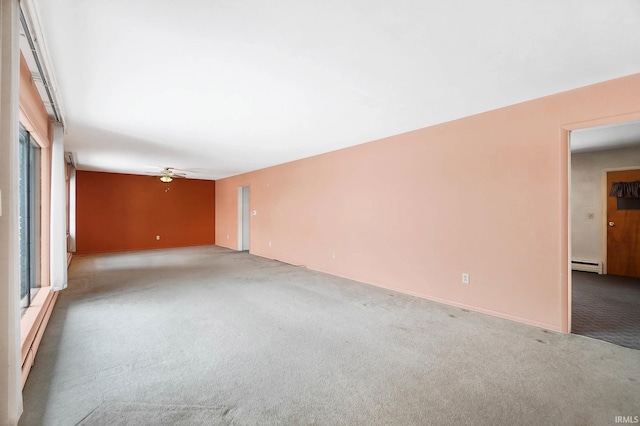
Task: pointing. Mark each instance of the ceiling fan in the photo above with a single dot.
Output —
(167, 174)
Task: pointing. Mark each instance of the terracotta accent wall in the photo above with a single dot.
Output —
(484, 195)
(120, 212)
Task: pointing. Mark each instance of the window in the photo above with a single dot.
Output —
(29, 218)
(628, 203)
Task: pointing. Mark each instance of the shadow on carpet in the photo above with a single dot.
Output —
(122, 413)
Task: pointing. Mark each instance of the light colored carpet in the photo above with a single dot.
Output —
(207, 335)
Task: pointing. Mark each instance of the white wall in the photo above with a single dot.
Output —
(587, 197)
(10, 360)
(243, 218)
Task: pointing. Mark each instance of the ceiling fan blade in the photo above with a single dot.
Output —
(169, 172)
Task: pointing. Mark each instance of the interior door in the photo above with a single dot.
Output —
(243, 218)
(623, 228)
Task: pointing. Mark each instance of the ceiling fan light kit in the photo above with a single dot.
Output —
(167, 174)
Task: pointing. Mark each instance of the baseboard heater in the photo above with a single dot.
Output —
(586, 266)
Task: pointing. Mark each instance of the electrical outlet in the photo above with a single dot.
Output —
(465, 278)
(227, 236)
(269, 243)
(333, 255)
(158, 237)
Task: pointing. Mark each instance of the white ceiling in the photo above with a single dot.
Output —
(611, 136)
(223, 87)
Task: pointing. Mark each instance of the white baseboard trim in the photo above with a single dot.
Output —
(586, 265)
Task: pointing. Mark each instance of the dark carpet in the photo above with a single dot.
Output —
(606, 307)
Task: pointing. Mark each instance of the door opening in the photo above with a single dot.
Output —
(604, 277)
(243, 219)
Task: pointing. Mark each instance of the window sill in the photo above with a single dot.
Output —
(32, 325)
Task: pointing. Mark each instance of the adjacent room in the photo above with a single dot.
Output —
(319, 213)
(605, 162)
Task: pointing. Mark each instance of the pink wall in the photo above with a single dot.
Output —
(34, 118)
(486, 195)
(33, 115)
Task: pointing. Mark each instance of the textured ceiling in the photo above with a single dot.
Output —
(222, 87)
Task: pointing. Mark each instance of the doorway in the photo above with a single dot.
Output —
(243, 219)
(603, 304)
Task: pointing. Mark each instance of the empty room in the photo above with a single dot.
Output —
(298, 212)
